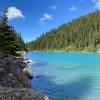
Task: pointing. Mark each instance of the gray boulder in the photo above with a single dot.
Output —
(20, 94)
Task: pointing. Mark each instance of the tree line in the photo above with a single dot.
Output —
(79, 34)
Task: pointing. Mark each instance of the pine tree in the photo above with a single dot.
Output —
(4, 18)
(10, 41)
(80, 34)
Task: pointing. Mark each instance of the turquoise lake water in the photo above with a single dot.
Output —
(66, 76)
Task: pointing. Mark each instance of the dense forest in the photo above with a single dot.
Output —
(81, 34)
(10, 40)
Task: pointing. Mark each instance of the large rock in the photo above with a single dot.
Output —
(11, 72)
(14, 84)
(20, 94)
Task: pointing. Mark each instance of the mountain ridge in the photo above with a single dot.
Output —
(81, 34)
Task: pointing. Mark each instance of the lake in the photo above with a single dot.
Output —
(66, 76)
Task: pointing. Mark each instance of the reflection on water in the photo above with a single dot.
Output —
(76, 90)
(67, 76)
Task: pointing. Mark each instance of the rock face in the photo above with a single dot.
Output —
(14, 84)
(19, 94)
(11, 72)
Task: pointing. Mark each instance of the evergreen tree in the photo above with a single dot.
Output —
(78, 35)
(4, 18)
(10, 41)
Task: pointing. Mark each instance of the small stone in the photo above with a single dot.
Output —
(46, 98)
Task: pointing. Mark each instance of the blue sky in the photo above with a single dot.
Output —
(31, 18)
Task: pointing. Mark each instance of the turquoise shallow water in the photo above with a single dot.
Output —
(66, 76)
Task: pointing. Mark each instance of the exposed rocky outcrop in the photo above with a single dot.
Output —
(14, 83)
(20, 94)
(11, 72)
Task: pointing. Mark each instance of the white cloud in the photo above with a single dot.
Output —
(73, 8)
(97, 4)
(53, 7)
(13, 13)
(46, 17)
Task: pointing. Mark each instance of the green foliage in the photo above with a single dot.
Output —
(10, 40)
(4, 18)
(26, 71)
(80, 34)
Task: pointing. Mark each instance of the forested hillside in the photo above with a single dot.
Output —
(82, 34)
(10, 40)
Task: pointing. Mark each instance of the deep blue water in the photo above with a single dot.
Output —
(66, 76)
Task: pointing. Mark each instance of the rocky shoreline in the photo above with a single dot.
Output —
(14, 83)
(20, 94)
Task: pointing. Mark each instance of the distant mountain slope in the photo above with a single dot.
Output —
(80, 34)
